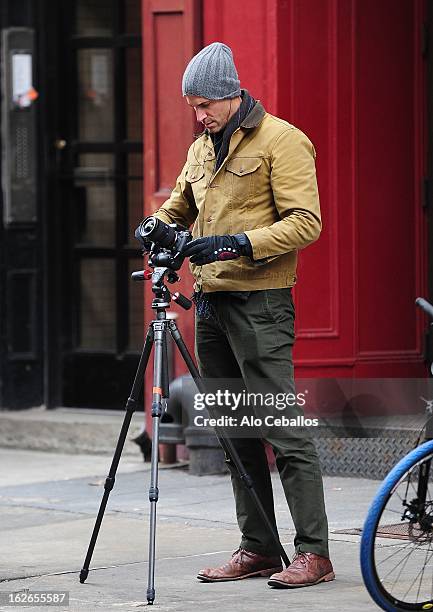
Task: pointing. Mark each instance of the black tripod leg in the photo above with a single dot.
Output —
(130, 408)
(226, 443)
(157, 395)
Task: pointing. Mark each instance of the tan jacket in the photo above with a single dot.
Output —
(266, 187)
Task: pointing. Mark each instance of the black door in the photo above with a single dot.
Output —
(94, 201)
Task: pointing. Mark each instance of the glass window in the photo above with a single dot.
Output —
(97, 304)
(94, 200)
(95, 100)
(94, 18)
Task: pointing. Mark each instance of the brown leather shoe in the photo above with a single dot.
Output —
(243, 564)
(306, 569)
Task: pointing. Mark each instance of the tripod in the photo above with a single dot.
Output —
(157, 335)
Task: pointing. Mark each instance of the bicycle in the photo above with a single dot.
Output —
(398, 572)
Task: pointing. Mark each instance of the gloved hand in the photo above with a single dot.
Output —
(208, 249)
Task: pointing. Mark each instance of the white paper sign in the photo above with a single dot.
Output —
(21, 78)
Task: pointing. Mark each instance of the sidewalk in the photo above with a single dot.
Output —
(48, 503)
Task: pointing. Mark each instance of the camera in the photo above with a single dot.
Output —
(163, 241)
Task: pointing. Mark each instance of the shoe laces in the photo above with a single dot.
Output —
(240, 553)
(302, 557)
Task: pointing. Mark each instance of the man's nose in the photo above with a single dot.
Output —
(200, 114)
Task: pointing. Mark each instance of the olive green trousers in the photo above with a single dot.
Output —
(249, 338)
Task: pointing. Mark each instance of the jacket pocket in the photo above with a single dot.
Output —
(241, 177)
(196, 177)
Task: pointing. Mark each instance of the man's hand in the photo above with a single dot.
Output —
(213, 248)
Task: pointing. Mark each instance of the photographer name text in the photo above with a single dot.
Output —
(254, 421)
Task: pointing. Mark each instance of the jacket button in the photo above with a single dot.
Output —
(241, 170)
(209, 219)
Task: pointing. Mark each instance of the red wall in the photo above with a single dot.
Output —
(351, 75)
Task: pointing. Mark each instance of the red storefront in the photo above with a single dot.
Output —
(353, 76)
(110, 130)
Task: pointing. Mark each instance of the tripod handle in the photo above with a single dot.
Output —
(141, 275)
(182, 300)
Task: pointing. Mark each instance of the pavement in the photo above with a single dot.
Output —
(48, 505)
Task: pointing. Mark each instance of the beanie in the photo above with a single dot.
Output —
(212, 74)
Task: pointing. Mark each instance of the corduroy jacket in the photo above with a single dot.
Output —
(266, 187)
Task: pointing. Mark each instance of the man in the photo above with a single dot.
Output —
(249, 189)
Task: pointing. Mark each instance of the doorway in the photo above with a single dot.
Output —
(94, 201)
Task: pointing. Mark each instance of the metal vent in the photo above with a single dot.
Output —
(22, 153)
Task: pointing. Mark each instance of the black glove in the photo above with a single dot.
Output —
(216, 248)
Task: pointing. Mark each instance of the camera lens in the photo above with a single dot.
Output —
(157, 231)
(147, 226)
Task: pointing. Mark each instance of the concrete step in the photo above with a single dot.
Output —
(68, 430)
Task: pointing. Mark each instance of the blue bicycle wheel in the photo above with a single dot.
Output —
(397, 538)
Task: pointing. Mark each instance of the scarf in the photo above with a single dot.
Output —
(221, 140)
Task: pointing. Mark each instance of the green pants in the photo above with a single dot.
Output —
(250, 338)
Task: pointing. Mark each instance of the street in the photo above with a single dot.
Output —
(48, 505)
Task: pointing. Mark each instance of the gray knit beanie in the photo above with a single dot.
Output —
(212, 74)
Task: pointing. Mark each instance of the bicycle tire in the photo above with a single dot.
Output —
(368, 568)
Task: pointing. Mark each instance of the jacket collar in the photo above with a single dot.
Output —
(255, 117)
(252, 120)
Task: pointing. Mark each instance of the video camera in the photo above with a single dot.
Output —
(164, 242)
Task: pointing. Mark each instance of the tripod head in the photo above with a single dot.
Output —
(159, 276)
(164, 244)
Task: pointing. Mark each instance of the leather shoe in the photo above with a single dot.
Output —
(243, 564)
(306, 569)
